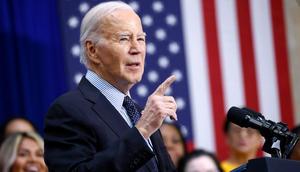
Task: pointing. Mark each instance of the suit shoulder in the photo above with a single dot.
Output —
(71, 103)
(70, 98)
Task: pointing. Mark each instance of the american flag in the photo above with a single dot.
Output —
(224, 53)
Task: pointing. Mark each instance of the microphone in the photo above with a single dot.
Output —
(247, 118)
(270, 130)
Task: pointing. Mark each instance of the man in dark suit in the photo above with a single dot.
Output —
(97, 127)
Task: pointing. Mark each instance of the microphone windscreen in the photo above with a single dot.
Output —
(237, 116)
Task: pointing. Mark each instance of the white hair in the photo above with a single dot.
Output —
(92, 20)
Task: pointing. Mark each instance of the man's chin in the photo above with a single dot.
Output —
(135, 80)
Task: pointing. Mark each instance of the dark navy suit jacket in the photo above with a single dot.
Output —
(84, 132)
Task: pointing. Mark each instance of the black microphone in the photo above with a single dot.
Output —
(247, 118)
(270, 130)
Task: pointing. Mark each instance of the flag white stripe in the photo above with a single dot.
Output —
(198, 74)
(233, 85)
(265, 59)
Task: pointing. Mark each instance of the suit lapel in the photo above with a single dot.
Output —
(110, 115)
(103, 108)
(158, 146)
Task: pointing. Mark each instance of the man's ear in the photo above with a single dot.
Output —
(91, 52)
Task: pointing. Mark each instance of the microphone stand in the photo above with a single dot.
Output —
(279, 132)
(287, 140)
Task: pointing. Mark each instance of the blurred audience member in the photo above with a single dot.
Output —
(174, 141)
(14, 125)
(22, 151)
(243, 145)
(199, 161)
(296, 151)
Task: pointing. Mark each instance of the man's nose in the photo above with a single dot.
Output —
(135, 47)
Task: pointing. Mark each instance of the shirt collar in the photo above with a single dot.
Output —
(114, 96)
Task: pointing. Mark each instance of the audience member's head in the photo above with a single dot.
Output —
(22, 151)
(174, 141)
(13, 125)
(199, 161)
(243, 144)
(295, 155)
(242, 140)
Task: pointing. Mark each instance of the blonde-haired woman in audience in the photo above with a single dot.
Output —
(23, 151)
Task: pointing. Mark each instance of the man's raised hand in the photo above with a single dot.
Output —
(157, 108)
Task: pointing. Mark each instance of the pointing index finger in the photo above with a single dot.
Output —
(162, 88)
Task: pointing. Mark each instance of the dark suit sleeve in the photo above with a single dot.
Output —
(72, 145)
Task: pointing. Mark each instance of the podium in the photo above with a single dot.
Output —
(270, 165)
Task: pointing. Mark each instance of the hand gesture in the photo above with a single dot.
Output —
(157, 108)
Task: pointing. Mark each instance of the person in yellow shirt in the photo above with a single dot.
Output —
(243, 145)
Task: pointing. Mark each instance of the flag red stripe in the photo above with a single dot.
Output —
(247, 54)
(215, 77)
(282, 66)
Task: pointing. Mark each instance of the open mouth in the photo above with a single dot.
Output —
(32, 168)
(134, 64)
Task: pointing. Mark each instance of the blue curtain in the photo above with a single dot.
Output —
(31, 59)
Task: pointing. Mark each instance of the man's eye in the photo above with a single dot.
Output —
(124, 39)
(141, 39)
